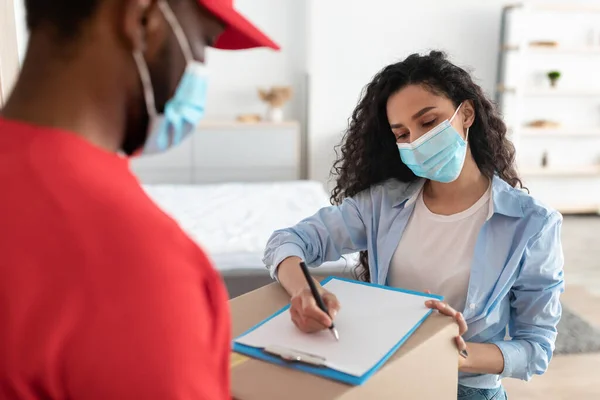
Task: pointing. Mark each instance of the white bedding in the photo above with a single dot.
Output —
(233, 221)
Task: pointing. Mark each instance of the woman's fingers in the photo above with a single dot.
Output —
(307, 325)
(307, 316)
(462, 347)
(441, 307)
(462, 324)
(297, 319)
(310, 310)
(445, 309)
(332, 303)
(460, 343)
(311, 326)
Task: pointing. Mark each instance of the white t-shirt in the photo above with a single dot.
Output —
(436, 251)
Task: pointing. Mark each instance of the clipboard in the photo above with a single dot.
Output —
(315, 364)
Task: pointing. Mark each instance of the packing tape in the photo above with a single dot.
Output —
(237, 359)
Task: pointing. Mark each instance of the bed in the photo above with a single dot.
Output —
(233, 221)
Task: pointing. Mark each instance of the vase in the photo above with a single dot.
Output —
(553, 82)
(545, 159)
(275, 114)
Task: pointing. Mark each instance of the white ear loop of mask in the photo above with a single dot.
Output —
(451, 119)
(143, 66)
(146, 83)
(456, 112)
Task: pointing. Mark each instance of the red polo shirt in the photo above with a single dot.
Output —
(102, 296)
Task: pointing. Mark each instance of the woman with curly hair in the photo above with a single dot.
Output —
(427, 191)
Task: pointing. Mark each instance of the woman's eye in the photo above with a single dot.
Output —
(429, 123)
(402, 136)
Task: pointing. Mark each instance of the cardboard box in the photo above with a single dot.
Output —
(425, 367)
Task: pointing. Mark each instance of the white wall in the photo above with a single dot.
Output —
(9, 58)
(350, 40)
(342, 44)
(22, 34)
(236, 76)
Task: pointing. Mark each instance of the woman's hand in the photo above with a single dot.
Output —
(445, 309)
(307, 316)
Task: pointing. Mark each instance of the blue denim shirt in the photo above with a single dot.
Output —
(516, 276)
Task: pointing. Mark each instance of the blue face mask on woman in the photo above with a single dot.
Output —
(185, 110)
(438, 155)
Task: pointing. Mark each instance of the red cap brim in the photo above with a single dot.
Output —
(239, 33)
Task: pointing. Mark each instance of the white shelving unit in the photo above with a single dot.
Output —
(556, 50)
(543, 92)
(570, 179)
(592, 171)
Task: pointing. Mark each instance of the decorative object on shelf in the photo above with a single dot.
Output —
(553, 76)
(591, 37)
(543, 123)
(276, 97)
(543, 43)
(249, 118)
(545, 159)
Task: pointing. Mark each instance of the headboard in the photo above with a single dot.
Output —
(228, 152)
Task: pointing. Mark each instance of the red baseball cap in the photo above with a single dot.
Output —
(239, 32)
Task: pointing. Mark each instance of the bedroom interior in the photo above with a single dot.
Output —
(234, 182)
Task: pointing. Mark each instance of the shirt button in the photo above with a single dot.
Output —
(472, 306)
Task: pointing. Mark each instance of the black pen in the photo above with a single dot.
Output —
(318, 298)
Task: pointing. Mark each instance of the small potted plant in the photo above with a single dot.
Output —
(553, 76)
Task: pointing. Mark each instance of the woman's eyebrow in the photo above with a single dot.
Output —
(417, 115)
(423, 111)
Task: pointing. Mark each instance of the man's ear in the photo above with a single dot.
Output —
(468, 113)
(143, 25)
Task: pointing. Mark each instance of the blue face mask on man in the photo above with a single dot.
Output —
(185, 110)
(438, 155)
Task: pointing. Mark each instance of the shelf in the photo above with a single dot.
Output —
(238, 124)
(577, 209)
(555, 50)
(591, 170)
(545, 132)
(562, 7)
(553, 92)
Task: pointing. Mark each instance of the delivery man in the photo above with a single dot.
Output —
(102, 296)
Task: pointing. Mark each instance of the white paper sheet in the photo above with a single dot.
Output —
(370, 323)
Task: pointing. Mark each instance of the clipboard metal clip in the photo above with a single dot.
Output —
(295, 355)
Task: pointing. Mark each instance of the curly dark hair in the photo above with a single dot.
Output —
(368, 154)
